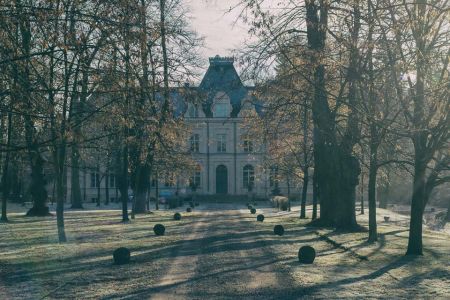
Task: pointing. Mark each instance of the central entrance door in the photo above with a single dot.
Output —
(221, 180)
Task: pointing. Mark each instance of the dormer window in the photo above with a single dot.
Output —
(221, 110)
(222, 107)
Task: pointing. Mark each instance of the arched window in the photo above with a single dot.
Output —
(248, 177)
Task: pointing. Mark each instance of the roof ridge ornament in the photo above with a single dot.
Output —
(221, 60)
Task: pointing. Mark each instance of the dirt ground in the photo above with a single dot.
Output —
(219, 251)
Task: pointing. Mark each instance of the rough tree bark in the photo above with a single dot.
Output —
(304, 193)
(5, 179)
(337, 170)
(419, 138)
(37, 185)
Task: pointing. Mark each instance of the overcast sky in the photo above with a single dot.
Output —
(212, 20)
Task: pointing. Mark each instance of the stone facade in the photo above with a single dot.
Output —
(228, 159)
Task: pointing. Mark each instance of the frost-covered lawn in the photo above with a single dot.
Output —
(34, 265)
(352, 268)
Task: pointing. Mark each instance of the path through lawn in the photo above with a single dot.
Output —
(219, 251)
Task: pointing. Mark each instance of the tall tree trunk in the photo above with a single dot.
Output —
(5, 179)
(304, 193)
(107, 185)
(361, 193)
(98, 178)
(75, 177)
(60, 198)
(157, 192)
(124, 184)
(415, 244)
(373, 166)
(315, 196)
(37, 184)
(141, 187)
(337, 170)
(420, 137)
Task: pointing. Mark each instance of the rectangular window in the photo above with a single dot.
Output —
(247, 144)
(195, 179)
(112, 180)
(95, 179)
(195, 143)
(221, 143)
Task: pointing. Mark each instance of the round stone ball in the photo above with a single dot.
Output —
(253, 211)
(159, 229)
(260, 218)
(121, 256)
(306, 255)
(177, 216)
(189, 209)
(278, 230)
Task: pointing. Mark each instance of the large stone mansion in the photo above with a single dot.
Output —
(229, 160)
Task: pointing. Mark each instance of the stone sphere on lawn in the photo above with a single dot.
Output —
(121, 256)
(159, 229)
(278, 230)
(306, 255)
(189, 209)
(177, 216)
(260, 218)
(253, 211)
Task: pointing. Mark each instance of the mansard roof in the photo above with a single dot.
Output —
(221, 76)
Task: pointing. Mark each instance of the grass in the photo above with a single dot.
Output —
(348, 267)
(33, 265)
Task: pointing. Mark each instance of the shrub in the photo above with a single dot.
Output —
(177, 216)
(260, 218)
(306, 255)
(188, 209)
(121, 256)
(159, 229)
(253, 211)
(278, 230)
